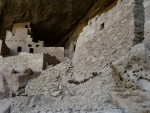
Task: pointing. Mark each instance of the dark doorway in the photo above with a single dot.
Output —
(74, 48)
(26, 26)
(102, 26)
(31, 50)
(29, 45)
(19, 49)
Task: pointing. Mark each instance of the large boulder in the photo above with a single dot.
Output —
(17, 80)
(5, 107)
(132, 77)
(132, 70)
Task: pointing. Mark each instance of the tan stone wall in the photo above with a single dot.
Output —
(23, 61)
(23, 40)
(105, 39)
(20, 25)
(54, 51)
(33, 45)
(16, 40)
(13, 46)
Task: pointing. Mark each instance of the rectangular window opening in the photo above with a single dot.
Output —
(29, 45)
(19, 49)
(37, 45)
(102, 26)
(31, 50)
(74, 48)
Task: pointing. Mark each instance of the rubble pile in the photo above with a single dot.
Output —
(12, 82)
(51, 92)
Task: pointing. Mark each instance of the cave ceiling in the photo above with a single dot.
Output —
(51, 20)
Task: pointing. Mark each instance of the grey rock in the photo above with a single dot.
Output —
(5, 108)
(56, 93)
(35, 100)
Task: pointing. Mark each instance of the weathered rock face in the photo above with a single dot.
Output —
(51, 20)
(132, 77)
(132, 70)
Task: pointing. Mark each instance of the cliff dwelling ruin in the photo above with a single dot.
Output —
(101, 65)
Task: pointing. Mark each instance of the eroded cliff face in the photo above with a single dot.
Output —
(51, 20)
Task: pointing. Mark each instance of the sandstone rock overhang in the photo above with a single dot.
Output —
(51, 20)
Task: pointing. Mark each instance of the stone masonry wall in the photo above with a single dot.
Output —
(20, 25)
(147, 19)
(58, 52)
(106, 38)
(25, 42)
(23, 61)
(138, 22)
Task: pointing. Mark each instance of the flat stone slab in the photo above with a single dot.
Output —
(5, 108)
(35, 100)
(18, 80)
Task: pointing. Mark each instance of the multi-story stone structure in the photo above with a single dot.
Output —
(19, 40)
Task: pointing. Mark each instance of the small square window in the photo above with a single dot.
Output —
(13, 34)
(26, 26)
(37, 45)
(102, 26)
(29, 45)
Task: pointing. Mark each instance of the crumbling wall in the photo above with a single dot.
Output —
(105, 38)
(33, 45)
(20, 25)
(53, 51)
(51, 60)
(70, 51)
(22, 62)
(18, 40)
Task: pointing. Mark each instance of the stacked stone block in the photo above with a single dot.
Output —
(23, 61)
(105, 39)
